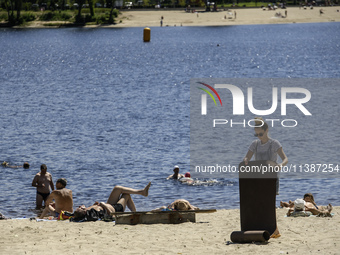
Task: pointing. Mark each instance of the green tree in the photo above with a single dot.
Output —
(10, 11)
(80, 6)
(111, 19)
(63, 3)
(18, 4)
(11, 6)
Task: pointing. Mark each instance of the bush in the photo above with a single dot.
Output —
(88, 18)
(55, 16)
(115, 13)
(3, 16)
(65, 16)
(47, 16)
(80, 19)
(102, 19)
(28, 16)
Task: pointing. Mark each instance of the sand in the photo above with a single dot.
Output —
(243, 17)
(209, 235)
(246, 16)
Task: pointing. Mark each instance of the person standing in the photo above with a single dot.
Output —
(44, 184)
(265, 148)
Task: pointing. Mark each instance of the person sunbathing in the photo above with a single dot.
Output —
(310, 203)
(303, 208)
(178, 205)
(119, 198)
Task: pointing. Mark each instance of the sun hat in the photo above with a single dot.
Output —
(299, 204)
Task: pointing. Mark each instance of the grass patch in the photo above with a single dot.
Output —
(3, 16)
(56, 16)
(28, 16)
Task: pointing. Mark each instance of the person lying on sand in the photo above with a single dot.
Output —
(178, 205)
(303, 208)
(119, 198)
(310, 203)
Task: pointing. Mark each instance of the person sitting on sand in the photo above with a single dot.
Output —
(178, 205)
(176, 174)
(63, 200)
(119, 198)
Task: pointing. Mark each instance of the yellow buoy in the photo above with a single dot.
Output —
(147, 34)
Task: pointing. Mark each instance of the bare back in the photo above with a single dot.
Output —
(63, 200)
(309, 205)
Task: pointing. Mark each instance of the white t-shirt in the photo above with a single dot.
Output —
(267, 151)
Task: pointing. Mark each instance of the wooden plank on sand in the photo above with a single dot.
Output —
(162, 217)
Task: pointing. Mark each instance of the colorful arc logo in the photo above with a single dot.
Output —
(204, 97)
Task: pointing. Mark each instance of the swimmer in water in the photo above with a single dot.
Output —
(176, 175)
(26, 165)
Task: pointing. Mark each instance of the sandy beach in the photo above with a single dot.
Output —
(222, 18)
(209, 235)
(249, 16)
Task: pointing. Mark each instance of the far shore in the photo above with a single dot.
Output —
(237, 16)
(227, 17)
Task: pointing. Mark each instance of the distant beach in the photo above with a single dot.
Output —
(246, 16)
(224, 18)
(209, 235)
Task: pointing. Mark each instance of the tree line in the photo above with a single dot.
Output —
(14, 9)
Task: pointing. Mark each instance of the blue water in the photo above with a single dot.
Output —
(101, 108)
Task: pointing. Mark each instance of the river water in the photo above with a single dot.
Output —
(102, 108)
